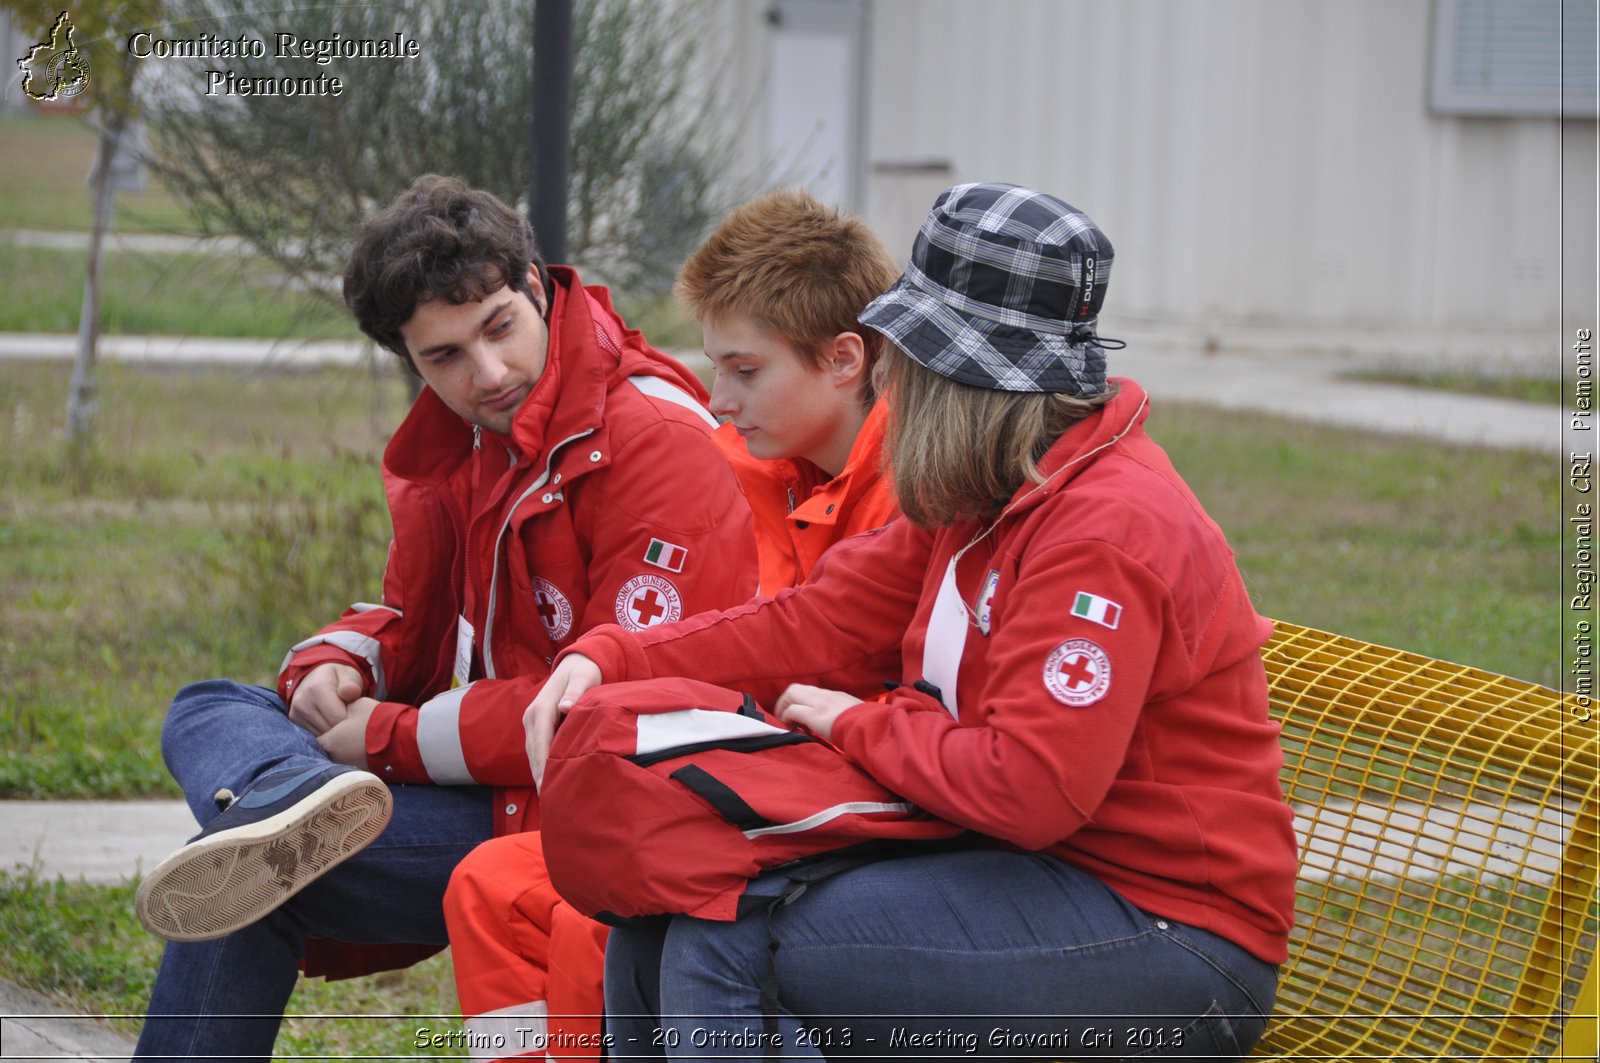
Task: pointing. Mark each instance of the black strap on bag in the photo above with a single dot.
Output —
(720, 796)
(801, 877)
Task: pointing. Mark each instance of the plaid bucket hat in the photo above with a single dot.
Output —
(1003, 291)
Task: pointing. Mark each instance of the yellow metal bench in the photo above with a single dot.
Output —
(1447, 895)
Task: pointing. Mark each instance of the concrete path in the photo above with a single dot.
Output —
(99, 841)
(187, 350)
(1310, 388)
(135, 243)
(31, 1028)
(1319, 390)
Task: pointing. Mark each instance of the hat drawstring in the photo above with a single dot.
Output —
(1084, 333)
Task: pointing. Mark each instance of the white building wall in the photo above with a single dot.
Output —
(1269, 171)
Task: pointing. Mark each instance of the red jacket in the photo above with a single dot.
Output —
(619, 509)
(800, 511)
(515, 944)
(1107, 702)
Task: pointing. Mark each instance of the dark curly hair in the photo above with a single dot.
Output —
(439, 239)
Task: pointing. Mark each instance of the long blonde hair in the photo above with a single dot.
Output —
(959, 452)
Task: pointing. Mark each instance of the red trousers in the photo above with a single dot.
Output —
(529, 969)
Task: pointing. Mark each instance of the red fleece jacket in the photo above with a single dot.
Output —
(1103, 694)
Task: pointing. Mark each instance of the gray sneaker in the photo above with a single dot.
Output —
(268, 844)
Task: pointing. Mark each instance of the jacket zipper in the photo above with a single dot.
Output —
(447, 649)
(494, 579)
(469, 600)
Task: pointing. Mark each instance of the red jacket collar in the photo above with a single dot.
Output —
(860, 473)
(1077, 449)
(591, 350)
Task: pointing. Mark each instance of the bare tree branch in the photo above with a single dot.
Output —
(294, 175)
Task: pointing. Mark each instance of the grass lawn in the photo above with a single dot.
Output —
(222, 516)
(44, 169)
(186, 294)
(1546, 389)
(82, 946)
(226, 513)
(1447, 551)
(43, 164)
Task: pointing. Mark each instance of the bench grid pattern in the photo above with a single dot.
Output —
(1449, 823)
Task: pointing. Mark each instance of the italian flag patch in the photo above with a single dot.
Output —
(1092, 607)
(666, 555)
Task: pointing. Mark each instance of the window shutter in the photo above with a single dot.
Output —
(1515, 57)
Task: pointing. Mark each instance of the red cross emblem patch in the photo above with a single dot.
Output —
(645, 601)
(1077, 673)
(555, 610)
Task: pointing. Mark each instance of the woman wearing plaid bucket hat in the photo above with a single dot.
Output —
(1076, 678)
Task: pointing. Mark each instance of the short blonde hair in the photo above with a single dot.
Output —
(793, 266)
(959, 452)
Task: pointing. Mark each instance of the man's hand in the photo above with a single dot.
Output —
(325, 696)
(813, 708)
(575, 674)
(346, 741)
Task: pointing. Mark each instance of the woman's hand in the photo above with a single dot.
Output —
(813, 708)
(575, 674)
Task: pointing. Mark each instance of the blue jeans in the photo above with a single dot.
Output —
(226, 997)
(945, 956)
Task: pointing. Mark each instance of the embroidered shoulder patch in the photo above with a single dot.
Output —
(646, 600)
(1098, 610)
(555, 609)
(1077, 673)
(986, 600)
(663, 554)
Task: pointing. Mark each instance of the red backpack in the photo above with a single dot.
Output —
(668, 796)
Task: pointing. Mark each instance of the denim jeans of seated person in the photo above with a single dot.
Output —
(224, 998)
(973, 954)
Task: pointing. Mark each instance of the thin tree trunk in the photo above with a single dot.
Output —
(81, 400)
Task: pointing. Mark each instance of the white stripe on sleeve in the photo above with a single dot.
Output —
(657, 388)
(520, 1030)
(362, 646)
(439, 738)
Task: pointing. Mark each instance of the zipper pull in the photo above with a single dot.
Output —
(477, 437)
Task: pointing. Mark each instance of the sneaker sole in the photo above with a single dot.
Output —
(216, 885)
